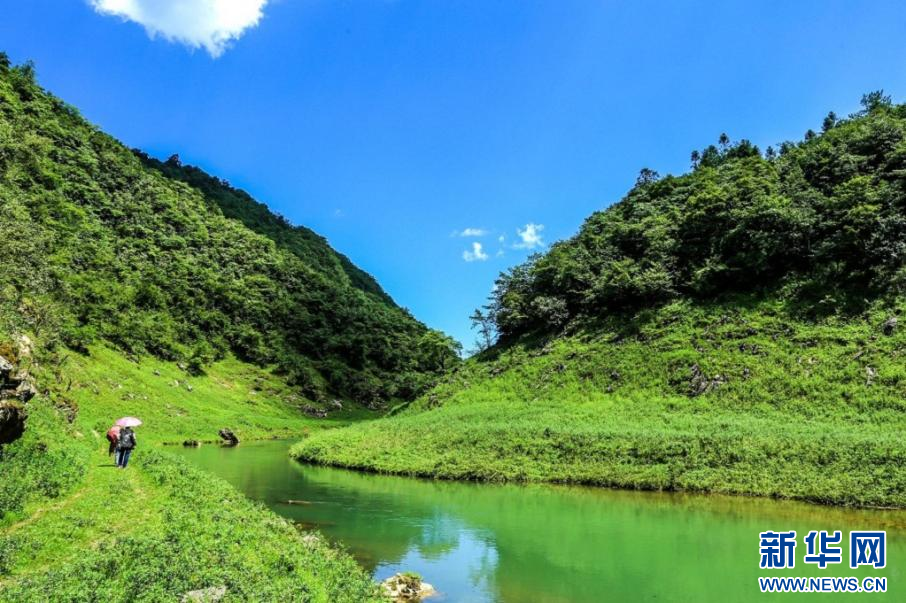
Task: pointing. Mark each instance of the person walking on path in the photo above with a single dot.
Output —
(113, 435)
(124, 447)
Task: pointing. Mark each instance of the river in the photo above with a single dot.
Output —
(549, 544)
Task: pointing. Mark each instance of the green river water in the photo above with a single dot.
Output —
(546, 544)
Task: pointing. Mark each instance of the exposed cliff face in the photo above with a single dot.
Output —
(16, 388)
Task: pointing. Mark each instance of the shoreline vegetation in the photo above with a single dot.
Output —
(73, 525)
(736, 399)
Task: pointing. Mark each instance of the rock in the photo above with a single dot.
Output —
(156, 373)
(889, 326)
(337, 404)
(12, 422)
(182, 366)
(24, 345)
(205, 595)
(407, 587)
(311, 540)
(615, 375)
(191, 443)
(870, 375)
(316, 413)
(228, 436)
(699, 383)
(189, 387)
(68, 407)
(6, 367)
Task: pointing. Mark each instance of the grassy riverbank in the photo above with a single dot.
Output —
(161, 529)
(735, 399)
(73, 525)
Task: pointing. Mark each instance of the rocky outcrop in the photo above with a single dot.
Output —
(12, 421)
(228, 437)
(15, 384)
(700, 383)
(205, 595)
(315, 413)
(407, 587)
(17, 387)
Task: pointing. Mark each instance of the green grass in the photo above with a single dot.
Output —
(74, 526)
(163, 528)
(175, 405)
(794, 417)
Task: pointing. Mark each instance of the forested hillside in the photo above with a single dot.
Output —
(733, 329)
(105, 244)
(821, 224)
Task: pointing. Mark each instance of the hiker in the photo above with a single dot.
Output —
(124, 446)
(113, 435)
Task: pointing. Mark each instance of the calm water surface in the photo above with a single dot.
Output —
(548, 544)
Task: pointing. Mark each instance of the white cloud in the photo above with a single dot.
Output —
(531, 236)
(469, 232)
(501, 238)
(477, 253)
(208, 24)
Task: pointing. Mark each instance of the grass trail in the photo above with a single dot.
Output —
(109, 503)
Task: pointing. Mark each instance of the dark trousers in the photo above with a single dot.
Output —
(122, 457)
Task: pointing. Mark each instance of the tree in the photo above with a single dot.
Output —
(695, 158)
(438, 351)
(770, 153)
(873, 101)
(724, 141)
(487, 330)
(829, 122)
(646, 176)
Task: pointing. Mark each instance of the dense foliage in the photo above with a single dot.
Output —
(821, 224)
(162, 259)
(733, 398)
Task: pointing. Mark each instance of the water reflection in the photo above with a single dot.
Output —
(544, 543)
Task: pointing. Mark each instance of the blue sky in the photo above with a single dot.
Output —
(389, 125)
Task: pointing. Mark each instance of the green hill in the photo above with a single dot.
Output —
(162, 259)
(131, 286)
(732, 329)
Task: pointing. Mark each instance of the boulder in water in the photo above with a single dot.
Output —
(407, 587)
(228, 436)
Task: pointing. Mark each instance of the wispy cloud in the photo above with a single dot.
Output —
(209, 24)
(469, 232)
(477, 253)
(530, 236)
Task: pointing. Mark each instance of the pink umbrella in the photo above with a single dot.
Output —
(129, 422)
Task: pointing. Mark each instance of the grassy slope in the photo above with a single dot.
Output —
(176, 406)
(160, 528)
(795, 418)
